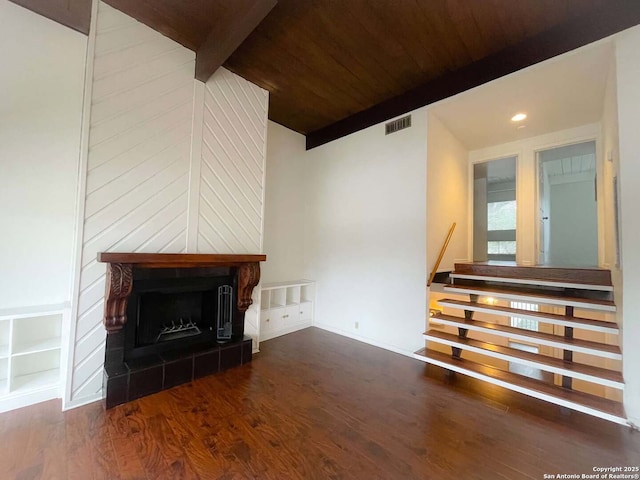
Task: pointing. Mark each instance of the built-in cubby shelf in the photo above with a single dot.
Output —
(30, 355)
(286, 307)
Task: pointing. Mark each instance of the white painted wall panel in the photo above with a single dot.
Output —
(233, 158)
(284, 206)
(41, 91)
(138, 165)
(628, 78)
(448, 183)
(365, 234)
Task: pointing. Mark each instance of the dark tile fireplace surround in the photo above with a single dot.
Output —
(172, 318)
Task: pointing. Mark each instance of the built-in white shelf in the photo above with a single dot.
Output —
(36, 381)
(43, 345)
(30, 354)
(4, 375)
(286, 307)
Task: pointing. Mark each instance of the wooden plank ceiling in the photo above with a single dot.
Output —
(333, 67)
(74, 14)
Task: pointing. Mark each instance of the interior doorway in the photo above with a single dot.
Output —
(568, 217)
(494, 210)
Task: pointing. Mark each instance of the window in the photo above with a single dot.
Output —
(501, 215)
(501, 228)
(526, 323)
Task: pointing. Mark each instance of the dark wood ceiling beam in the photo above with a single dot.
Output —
(228, 32)
(563, 38)
(75, 14)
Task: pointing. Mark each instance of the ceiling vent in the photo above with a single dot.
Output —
(399, 124)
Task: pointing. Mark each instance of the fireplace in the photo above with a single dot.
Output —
(174, 308)
(172, 318)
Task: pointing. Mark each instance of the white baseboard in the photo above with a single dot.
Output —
(96, 397)
(366, 340)
(12, 402)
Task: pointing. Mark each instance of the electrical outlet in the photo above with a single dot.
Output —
(357, 325)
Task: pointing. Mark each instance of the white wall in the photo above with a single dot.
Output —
(365, 234)
(41, 85)
(610, 152)
(173, 165)
(447, 195)
(628, 79)
(285, 197)
(526, 181)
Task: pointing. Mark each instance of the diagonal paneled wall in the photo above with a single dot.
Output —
(173, 165)
(138, 166)
(231, 196)
(232, 171)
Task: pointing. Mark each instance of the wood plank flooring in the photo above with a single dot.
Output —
(314, 405)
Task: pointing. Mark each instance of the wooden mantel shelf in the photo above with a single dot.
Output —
(119, 284)
(179, 260)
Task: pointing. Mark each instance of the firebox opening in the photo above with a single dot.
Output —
(169, 310)
(164, 317)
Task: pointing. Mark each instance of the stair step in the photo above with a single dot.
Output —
(585, 276)
(601, 376)
(534, 296)
(533, 281)
(563, 320)
(582, 402)
(573, 344)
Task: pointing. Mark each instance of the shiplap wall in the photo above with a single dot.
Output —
(232, 175)
(232, 172)
(169, 159)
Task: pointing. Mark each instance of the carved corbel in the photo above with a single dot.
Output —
(248, 278)
(118, 289)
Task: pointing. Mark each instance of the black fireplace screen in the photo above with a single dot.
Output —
(166, 311)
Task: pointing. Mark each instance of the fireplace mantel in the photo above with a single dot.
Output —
(179, 260)
(120, 277)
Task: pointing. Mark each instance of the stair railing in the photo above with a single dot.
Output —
(442, 251)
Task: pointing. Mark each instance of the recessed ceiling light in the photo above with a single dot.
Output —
(518, 117)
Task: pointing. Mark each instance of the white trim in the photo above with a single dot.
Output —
(368, 341)
(30, 311)
(264, 168)
(193, 215)
(531, 281)
(522, 314)
(293, 283)
(69, 330)
(24, 399)
(96, 397)
(523, 297)
(525, 391)
(527, 338)
(531, 363)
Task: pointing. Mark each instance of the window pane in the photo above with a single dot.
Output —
(505, 248)
(501, 215)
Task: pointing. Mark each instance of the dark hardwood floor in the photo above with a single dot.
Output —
(314, 405)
